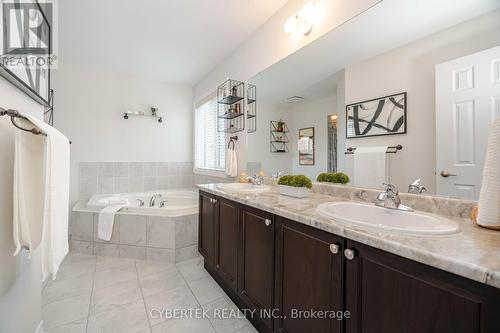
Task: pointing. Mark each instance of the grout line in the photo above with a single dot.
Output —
(194, 295)
(142, 295)
(91, 294)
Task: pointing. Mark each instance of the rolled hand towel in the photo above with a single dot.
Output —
(489, 198)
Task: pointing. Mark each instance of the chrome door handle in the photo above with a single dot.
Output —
(334, 248)
(268, 222)
(446, 174)
(349, 254)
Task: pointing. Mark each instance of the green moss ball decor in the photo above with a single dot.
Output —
(295, 181)
(337, 178)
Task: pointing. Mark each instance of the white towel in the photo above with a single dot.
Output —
(231, 163)
(54, 239)
(370, 166)
(489, 198)
(106, 221)
(29, 190)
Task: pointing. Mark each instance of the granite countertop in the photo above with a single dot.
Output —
(473, 253)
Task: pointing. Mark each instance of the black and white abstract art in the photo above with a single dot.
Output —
(380, 116)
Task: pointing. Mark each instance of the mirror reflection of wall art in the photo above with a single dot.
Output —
(306, 146)
(380, 116)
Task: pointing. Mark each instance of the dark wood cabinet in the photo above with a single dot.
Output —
(309, 277)
(286, 270)
(226, 233)
(206, 226)
(390, 294)
(256, 264)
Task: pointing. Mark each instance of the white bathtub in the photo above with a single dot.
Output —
(179, 202)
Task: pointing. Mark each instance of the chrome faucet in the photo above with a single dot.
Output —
(163, 203)
(255, 180)
(278, 175)
(152, 201)
(416, 187)
(390, 199)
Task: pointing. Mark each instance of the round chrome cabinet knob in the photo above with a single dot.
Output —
(268, 222)
(349, 254)
(334, 248)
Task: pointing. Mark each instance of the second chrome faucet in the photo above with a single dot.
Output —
(390, 199)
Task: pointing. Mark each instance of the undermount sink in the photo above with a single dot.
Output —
(385, 219)
(244, 188)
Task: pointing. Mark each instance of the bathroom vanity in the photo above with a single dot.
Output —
(277, 256)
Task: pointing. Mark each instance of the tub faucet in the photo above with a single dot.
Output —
(140, 202)
(390, 199)
(152, 201)
(416, 187)
(163, 203)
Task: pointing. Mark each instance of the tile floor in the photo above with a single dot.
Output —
(106, 295)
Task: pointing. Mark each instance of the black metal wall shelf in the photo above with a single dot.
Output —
(230, 111)
(279, 138)
(252, 108)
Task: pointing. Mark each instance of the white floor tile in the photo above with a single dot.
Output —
(163, 281)
(114, 296)
(78, 326)
(67, 287)
(180, 298)
(230, 324)
(206, 290)
(106, 263)
(184, 326)
(65, 311)
(145, 268)
(192, 270)
(108, 277)
(130, 318)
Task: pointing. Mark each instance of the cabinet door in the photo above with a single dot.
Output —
(309, 276)
(390, 294)
(206, 226)
(256, 271)
(226, 260)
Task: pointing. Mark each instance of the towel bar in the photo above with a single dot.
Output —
(390, 150)
(15, 114)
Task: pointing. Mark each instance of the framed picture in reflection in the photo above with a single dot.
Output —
(380, 116)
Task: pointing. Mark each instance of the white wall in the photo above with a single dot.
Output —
(315, 114)
(259, 142)
(269, 45)
(89, 108)
(20, 277)
(411, 68)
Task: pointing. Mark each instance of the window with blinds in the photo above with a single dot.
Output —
(210, 143)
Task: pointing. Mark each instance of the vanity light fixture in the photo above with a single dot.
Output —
(302, 22)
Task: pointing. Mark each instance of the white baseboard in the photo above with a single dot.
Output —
(39, 328)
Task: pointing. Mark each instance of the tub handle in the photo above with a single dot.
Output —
(141, 202)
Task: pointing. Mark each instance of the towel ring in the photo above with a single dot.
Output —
(231, 140)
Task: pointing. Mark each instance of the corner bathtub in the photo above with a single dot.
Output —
(168, 234)
(179, 202)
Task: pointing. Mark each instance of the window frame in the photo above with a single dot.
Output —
(205, 171)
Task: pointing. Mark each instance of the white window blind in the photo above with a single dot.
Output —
(210, 143)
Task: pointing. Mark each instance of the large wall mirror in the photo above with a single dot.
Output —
(432, 92)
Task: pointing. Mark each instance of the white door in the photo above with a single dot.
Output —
(467, 101)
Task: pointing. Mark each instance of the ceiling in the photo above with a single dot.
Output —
(315, 70)
(174, 41)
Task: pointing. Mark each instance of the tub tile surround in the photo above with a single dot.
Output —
(157, 238)
(473, 253)
(122, 177)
